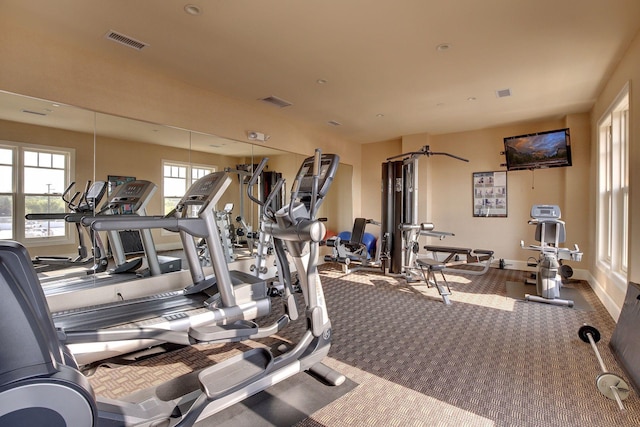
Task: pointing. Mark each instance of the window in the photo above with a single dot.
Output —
(32, 180)
(6, 193)
(613, 187)
(177, 178)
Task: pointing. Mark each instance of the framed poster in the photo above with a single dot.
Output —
(490, 194)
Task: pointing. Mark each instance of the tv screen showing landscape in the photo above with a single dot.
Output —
(539, 150)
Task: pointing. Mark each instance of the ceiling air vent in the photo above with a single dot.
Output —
(278, 102)
(125, 40)
(37, 113)
(334, 123)
(503, 93)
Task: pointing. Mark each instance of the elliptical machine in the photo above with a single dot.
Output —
(550, 232)
(86, 205)
(40, 384)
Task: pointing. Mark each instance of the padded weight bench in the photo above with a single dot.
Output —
(428, 267)
(479, 257)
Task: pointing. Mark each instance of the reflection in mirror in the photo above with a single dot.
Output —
(59, 144)
(40, 145)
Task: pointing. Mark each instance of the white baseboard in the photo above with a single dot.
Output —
(613, 308)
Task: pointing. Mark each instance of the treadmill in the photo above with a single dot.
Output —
(224, 298)
(129, 199)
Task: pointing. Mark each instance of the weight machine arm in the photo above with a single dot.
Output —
(425, 151)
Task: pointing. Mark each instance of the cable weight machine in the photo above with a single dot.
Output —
(400, 231)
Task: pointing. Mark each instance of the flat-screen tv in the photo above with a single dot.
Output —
(548, 149)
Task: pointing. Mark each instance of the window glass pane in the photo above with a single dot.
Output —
(6, 156)
(58, 161)
(167, 170)
(6, 216)
(44, 160)
(199, 173)
(174, 187)
(170, 203)
(43, 181)
(6, 179)
(44, 228)
(30, 158)
(44, 204)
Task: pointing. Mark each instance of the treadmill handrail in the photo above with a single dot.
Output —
(194, 226)
(45, 216)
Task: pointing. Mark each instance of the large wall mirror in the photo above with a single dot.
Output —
(45, 146)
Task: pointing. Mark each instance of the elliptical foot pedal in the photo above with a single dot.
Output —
(235, 373)
(236, 331)
(128, 267)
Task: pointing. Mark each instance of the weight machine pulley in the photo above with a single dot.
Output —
(612, 386)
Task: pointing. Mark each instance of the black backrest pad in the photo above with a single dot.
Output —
(358, 230)
(30, 345)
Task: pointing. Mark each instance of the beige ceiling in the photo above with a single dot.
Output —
(384, 76)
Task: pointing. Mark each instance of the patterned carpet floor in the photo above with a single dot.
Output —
(485, 360)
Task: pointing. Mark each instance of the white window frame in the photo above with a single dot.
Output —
(612, 211)
(18, 193)
(190, 178)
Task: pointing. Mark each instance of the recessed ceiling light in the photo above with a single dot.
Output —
(322, 81)
(192, 9)
(379, 115)
(443, 47)
(471, 98)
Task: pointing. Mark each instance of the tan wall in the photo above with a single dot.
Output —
(451, 189)
(445, 186)
(36, 65)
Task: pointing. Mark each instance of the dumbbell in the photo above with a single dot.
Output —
(610, 385)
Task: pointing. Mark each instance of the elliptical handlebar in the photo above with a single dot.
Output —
(66, 192)
(266, 204)
(272, 195)
(316, 176)
(254, 179)
(83, 197)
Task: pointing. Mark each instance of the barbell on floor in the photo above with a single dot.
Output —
(610, 385)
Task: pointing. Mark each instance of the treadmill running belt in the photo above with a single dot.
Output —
(140, 309)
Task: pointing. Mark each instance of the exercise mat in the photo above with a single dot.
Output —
(283, 404)
(517, 290)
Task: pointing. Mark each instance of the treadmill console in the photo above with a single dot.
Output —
(133, 194)
(545, 212)
(206, 189)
